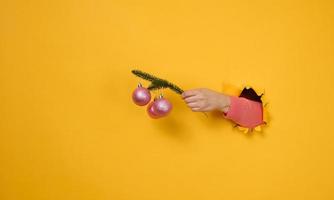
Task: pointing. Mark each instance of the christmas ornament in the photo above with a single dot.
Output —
(151, 111)
(141, 96)
(162, 106)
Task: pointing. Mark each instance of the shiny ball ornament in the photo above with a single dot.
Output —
(141, 96)
(161, 106)
(151, 111)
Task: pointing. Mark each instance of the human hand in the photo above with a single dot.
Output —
(203, 100)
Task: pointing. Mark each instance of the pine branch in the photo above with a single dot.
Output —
(154, 87)
(157, 83)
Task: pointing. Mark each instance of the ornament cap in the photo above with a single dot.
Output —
(160, 96)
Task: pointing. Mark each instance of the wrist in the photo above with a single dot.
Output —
(224, 103)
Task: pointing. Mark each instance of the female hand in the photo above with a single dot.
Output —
(203, 100)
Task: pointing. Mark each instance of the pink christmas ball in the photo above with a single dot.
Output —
(151, 112)
(162, 106)
(141, 96)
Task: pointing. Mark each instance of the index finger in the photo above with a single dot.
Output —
(189, 93)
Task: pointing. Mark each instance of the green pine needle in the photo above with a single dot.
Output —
(157, 83)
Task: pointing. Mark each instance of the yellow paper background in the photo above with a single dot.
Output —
(69, 130)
